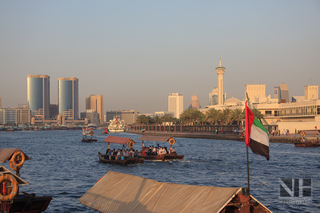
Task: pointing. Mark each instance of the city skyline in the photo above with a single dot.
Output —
(135, 54)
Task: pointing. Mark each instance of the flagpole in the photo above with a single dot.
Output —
(248, 170)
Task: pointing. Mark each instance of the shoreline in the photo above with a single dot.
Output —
(203, 135)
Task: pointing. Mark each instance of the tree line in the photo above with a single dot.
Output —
(194, 116)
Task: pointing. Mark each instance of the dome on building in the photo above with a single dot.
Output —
(232, 102)
(194, 98)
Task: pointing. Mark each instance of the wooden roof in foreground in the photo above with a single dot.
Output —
(6, 154)
(116, 139)
(118, 192)
(154, 138)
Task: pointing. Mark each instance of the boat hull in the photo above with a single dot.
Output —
(307, 144)
(29, 204)
(127, 161)
(166, 157)
(89, 140)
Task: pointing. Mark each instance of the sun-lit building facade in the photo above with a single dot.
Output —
(68, 98)
(38, 95)
(175, 104)
(95, 102)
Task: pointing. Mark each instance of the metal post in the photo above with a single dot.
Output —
(248, 170)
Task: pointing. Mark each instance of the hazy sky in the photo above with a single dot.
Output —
(135, 53)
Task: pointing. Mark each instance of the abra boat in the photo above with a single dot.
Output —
(121, 192)
(308, 141)
(147, 154)
(88, 132)
(106, 131)
(126, 160)
(11, 199)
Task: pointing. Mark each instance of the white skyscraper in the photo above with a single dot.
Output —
(175, 104)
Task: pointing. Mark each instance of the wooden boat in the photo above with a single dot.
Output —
(158, 157)
(308, 142)
(147, 195)
(89, 140)
(106, 131)
(11, 199)
(124, 141)
(87, 132)
(126, 161)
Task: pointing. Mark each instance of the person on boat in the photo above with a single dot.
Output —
(154, 150)
(143, 153)
(173, 150)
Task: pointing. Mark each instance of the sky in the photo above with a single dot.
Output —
(135, 53)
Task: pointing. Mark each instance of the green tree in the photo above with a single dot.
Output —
(237, 115)
(142, 119)
(212, 116)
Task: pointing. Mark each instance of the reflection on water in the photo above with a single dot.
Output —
(65, 168)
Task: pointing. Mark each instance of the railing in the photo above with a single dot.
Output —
(186, 128)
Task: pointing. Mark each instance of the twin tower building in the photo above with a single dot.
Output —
(38, 97)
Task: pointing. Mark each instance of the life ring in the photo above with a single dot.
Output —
(130, 143)
(13, 159)
(13, 181)
(172, 141)
(12, 167)
(302, 133)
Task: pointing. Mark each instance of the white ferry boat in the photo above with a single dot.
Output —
(117, 125)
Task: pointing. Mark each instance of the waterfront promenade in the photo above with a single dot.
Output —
(227, 136)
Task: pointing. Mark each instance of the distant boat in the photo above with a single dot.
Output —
(106, 131)
(92, 126)
(88, 132)
(117, 125)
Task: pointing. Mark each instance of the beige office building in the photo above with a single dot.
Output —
(95, 102)
(256, 92)
(175, 104)
(311, 92)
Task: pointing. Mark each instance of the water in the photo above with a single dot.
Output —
(65, 168)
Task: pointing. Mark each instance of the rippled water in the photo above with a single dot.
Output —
(65, 168)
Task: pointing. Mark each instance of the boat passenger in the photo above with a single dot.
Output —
(173, 150)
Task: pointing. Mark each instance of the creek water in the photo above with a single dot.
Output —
(65, 168)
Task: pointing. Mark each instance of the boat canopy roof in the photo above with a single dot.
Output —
(118, 192)
(116, 139)
(6, 154)
(4, 170)
(154, 138)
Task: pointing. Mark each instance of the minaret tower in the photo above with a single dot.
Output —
(220, 72)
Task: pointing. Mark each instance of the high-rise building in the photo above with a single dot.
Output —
(175, 104)
(281, 93)
(95, 102)
(68, 97)
(38, 95)
(220, 71)
(128, 116)
(311, 92)
(213, 96)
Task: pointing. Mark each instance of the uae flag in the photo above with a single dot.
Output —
(257, 137)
